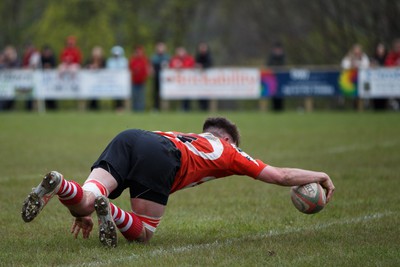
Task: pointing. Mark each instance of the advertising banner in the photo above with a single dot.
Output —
(85, 84)
(15, 83)
(348, 83)
(51, 84)
(105, 84)
(379, 83)
(216, 83)
(304, 82)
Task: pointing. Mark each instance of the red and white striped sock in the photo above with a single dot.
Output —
(128, 223)
(150, 223)
(96, 187)
(70, 192)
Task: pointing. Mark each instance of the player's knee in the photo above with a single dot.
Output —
(96, 187)
(149, 227)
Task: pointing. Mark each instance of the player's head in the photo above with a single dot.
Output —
(222, 128)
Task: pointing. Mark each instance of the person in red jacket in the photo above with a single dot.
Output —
(393, 57)
(182, 60)
(139, 67)
(153, 165)
(393, 60)
(71, 56)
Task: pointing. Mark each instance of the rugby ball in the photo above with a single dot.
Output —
(308, 198)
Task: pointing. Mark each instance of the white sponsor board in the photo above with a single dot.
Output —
(379, 82)
(51, 84)
(216, 83)
(106, 84)
(85, 84)
(15, 82)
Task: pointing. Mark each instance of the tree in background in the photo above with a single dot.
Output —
(239, 32)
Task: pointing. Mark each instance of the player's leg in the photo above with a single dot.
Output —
(53, 183)
(149, 184)
(99, 183)
(107, 227)
(148, 207)
(150, 213)
(151, 160)
(139, 224)
(79, 200)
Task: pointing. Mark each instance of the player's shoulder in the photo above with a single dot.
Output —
(243, 154)
(177, 134)
(198, 138)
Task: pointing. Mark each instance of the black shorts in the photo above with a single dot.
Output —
(144, 162)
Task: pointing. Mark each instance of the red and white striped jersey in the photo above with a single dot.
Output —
(206, 157)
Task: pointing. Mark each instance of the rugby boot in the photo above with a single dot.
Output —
(41, 195)
(107, 227)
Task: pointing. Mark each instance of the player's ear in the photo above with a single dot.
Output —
(229, 139)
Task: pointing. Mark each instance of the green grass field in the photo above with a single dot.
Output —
(229, 222)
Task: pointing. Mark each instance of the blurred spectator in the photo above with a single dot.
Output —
(31, 57)
(377, 60)
(393, 57)
(139, 67)
(70, 63)
(71, 56)
(10, 57)
(203, 56)
(3, 103)
(95, 62)
(159, 60)
(182, 60)
(379, 56)
(355, 58)
(277, 58)
(10, 61)
(393, 60)
(48, 61)
(2, 61)
(117, 61)
(203, 61)
(30, 60)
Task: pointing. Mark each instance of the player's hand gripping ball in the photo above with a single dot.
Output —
(308, 198)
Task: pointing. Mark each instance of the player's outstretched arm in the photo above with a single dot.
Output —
(292, 177)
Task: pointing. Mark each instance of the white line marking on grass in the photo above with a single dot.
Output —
(271, 233)
(256, 236)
